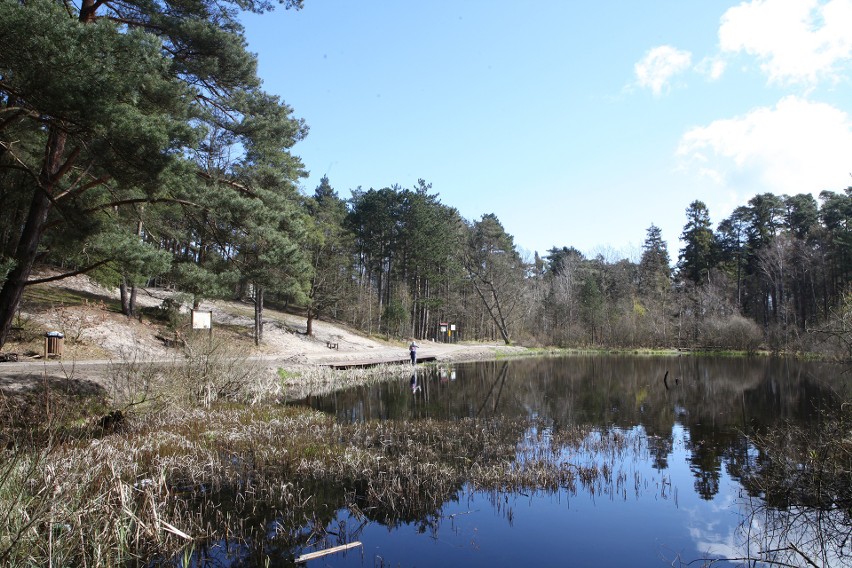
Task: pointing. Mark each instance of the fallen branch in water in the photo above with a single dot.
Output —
(326, 552)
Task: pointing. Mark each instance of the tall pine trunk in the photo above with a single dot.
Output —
(133, 290)
(125, 297)
(27, 249)
(309, 325)
(128, 297)
(258, 314)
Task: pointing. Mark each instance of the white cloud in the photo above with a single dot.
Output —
(712, 67)
(659, 65)
(797, 147)
(796, 41)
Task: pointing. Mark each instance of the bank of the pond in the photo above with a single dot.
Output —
(278, 358)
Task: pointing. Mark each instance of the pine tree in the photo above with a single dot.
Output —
(100, 110)
(429, 239)
(699, 253)
(329, 249)
(654, 269)
(496, 272)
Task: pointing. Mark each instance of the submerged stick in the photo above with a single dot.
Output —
(327, 551)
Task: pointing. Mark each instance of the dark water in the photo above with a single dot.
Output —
(679, 493)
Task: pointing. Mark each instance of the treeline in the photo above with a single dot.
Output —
(775, 274)
(137, 145)
(397, 261)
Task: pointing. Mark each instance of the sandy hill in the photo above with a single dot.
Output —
(94, 329)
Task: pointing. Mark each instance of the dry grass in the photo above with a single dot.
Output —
(311, 380)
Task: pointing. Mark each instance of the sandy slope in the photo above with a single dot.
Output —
(96, 337)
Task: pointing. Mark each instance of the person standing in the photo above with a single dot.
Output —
(412, 350)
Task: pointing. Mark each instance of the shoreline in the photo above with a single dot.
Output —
(88, 376)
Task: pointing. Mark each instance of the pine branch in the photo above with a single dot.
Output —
(239, 187)
(68, 274)
(140, 200)
(22, 166)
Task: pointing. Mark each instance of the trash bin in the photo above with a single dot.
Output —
(53, 343)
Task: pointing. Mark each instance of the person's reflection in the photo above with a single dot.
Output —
(414, 386)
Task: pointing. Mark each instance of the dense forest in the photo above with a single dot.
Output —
(161, 160)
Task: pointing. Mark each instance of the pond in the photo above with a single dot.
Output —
(634, 461)
(673, 492)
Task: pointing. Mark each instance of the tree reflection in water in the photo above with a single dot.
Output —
(800, 483)
(740, 419)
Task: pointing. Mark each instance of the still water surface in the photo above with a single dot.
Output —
(675, 497)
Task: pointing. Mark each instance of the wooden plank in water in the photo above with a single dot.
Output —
(376, 362)
(320, 553)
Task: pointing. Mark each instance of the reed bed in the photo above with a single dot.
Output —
(320, 381)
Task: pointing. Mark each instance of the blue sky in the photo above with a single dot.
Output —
(576, 123)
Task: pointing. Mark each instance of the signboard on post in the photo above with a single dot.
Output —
(202, 319)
